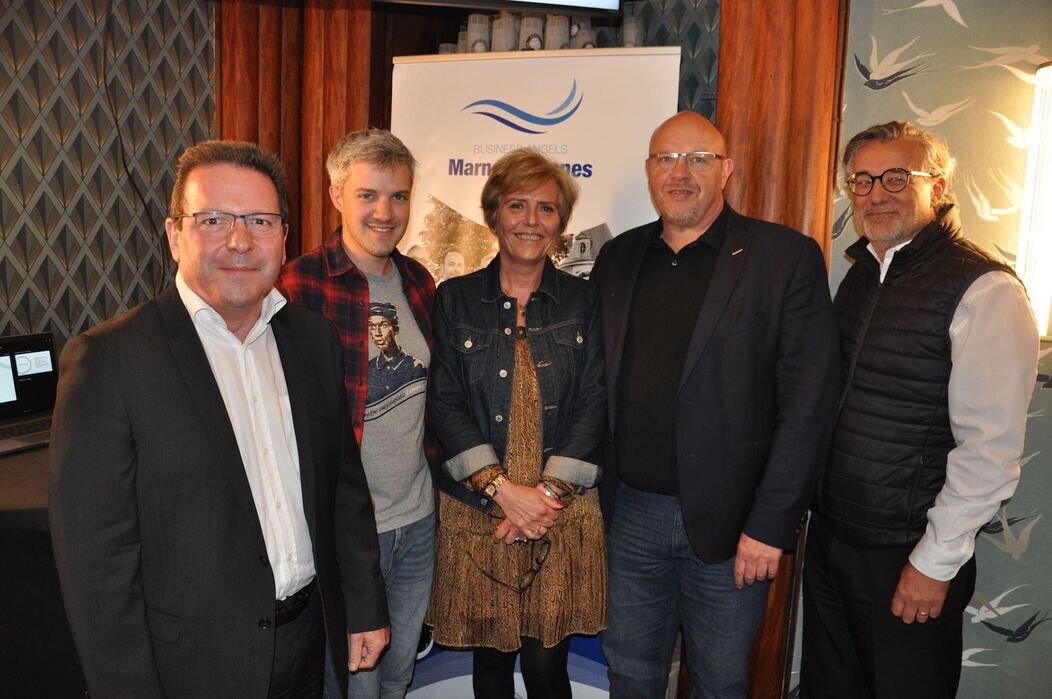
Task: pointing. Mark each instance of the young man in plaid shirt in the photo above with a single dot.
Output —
(381, 302)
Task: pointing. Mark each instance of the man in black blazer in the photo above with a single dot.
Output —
(210, 517)
(722, 379)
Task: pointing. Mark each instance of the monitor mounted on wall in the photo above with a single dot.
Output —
(596, 8)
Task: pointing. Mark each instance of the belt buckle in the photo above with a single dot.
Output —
(288, 609)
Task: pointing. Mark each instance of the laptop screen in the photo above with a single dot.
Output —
(28, 375)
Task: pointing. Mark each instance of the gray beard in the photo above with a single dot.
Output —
(909, 228)
(686, 220)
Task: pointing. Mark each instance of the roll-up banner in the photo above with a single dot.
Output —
(593, 112)
(590, 110)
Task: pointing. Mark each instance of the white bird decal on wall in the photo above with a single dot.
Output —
(967, 662)
(882, 73)
(1017, 137)
(991, 609)
(1028, 78)
(981, 202)
(1005, 55)
(939, 114)
(1012, 189)
(948, 5)
(880, 68)
(1011, 544)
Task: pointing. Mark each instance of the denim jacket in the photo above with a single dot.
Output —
(471, 375)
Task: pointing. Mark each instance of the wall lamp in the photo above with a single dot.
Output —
(1034, 253)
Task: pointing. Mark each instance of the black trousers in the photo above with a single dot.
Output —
(299, 655)
(853, 646)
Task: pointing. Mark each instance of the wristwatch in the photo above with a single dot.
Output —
(490, 491)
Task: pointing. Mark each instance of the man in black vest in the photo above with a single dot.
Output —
(939, 356)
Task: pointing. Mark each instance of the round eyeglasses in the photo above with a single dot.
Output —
(892, 180)
(218, 224)
(697, 161)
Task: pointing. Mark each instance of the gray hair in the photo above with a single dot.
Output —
(936, 153)
(373, 146)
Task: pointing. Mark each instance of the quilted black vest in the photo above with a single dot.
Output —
(888, 459)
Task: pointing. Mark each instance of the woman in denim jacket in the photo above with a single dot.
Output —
(516, 396)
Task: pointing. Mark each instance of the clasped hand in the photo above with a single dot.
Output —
(528, 513)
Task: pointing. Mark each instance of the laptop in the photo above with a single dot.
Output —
(28, 377)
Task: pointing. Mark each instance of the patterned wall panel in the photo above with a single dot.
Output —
(693, 25)
(97, 100)
(964, 69)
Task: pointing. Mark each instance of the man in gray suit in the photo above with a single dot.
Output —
(209, 513)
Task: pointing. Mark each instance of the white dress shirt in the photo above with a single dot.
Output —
(994, 347)
(252, 383)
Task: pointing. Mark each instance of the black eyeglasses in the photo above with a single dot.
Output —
(892, 180)
(218, 224)
(539, 550)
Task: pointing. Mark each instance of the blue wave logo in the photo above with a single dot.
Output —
(519, 119)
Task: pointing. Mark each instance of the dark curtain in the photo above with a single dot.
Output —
(294, 77)
(781, 72)
(781, 76)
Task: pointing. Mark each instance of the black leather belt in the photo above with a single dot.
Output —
(286, 610)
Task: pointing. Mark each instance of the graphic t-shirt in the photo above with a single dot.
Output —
(393, 435)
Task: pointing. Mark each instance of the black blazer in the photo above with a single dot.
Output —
(758, 393)
(159, 549)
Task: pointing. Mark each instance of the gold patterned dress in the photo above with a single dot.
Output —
(491, 594)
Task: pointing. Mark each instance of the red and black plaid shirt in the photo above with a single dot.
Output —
(327, 281)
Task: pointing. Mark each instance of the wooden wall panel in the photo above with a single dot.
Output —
(781, 71)
(780, 82)
(237, 70)
(325, 76)
(294, 77)
(288, 124)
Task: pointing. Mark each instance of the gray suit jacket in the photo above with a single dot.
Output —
(159, 549)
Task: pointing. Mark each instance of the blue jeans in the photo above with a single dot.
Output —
(407, 561)
(657, 586)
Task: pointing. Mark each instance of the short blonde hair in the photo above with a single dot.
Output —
(373, 146)
(526, 169)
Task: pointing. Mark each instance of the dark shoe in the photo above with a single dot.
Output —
(426, 643)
